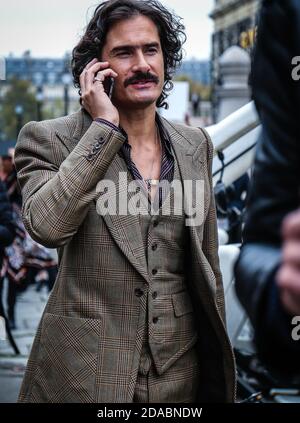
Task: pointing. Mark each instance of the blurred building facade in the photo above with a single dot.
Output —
(51, 80)
(40, 71)
(197, 70)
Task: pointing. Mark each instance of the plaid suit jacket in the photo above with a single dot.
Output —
(88, 343)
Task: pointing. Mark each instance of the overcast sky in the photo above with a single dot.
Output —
(50, 28)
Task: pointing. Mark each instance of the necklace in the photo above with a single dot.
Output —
(149, 181)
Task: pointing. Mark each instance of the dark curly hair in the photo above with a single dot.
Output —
(170, 30)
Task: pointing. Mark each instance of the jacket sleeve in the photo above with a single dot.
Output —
(276, 175)
(57, 196)
(7, 229)
(210, 242)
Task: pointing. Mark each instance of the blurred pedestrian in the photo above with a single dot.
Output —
(7, 234)
(195, 103)
(24, 258)
(8, 175)
(7, 228)
(13, 267)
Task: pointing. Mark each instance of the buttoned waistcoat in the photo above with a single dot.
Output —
(88, 343)
(170, 329)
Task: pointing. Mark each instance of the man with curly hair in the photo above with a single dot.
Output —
(137, 310)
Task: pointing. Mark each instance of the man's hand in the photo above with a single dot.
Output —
(288, 276)
(94, 98)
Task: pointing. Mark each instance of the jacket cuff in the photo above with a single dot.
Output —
(107, 122)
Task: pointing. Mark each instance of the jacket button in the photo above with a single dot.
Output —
(90, 156)
(155, 223)
(154, 247)
(154, 295)
(155, 320)
(97, 145)
(154, 271)
(138, 292)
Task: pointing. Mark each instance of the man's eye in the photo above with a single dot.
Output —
(124, 53)
(152, 50)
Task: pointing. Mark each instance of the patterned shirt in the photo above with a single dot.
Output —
(167, 160)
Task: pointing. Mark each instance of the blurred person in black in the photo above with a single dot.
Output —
(25, 260)
(9, 177)
(268, 269)
(14, 267)
(7, 230)
(7, 235)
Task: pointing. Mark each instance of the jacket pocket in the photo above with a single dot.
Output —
(176, 334)
(182, 303)
(67, 359)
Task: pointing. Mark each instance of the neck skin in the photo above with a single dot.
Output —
(140, 127)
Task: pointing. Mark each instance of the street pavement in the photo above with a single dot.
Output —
(29, 309)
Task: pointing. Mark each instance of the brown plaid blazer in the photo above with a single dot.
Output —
(89, 340)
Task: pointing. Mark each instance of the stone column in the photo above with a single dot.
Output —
(234, 91)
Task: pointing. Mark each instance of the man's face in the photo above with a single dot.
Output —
(133, 51)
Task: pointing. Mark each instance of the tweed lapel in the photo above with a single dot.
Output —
(125, 228)
(190, 156)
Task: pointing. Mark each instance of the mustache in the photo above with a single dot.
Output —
(141, 77)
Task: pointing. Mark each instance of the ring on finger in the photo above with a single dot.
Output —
(100, 77)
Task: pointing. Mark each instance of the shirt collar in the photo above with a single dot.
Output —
(164, 136)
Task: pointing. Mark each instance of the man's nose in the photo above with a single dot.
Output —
(141, 64)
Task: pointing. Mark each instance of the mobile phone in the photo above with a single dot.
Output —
(109, 86)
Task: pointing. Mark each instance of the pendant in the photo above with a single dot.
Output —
(151, 182)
